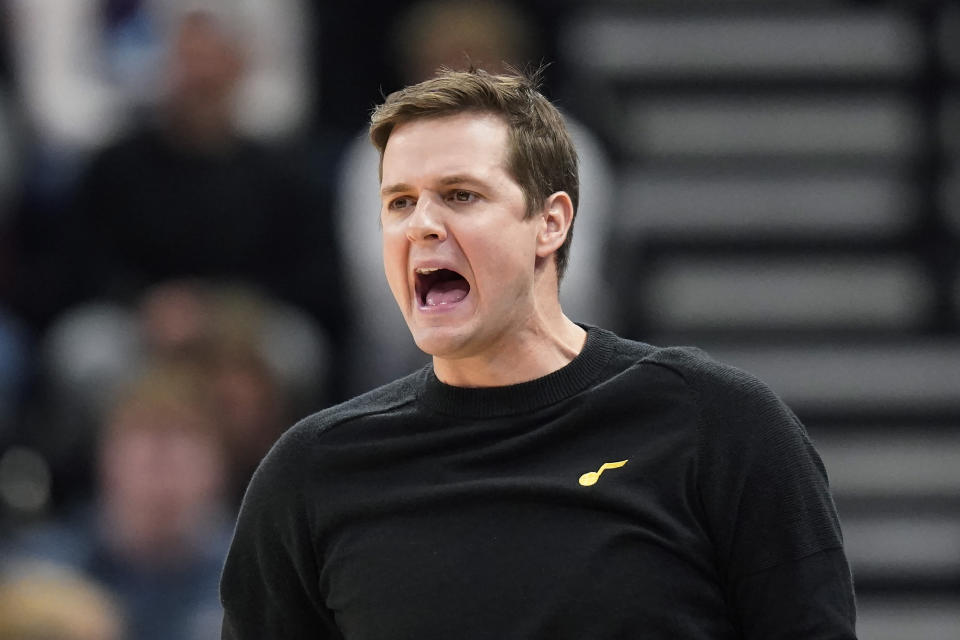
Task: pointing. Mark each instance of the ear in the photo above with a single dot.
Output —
(557, 217)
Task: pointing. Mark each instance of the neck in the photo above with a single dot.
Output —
(544, 343)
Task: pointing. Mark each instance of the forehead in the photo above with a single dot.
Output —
(447, 143)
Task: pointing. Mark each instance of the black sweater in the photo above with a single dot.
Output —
(424, 511)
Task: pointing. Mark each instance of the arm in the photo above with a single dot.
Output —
(771, 516)
(269, 587)
(807, 598)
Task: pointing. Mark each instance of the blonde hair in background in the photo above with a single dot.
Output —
(41, 601)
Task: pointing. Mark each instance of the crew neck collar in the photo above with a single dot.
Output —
(488, 402)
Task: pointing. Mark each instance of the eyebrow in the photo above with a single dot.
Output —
(395, 188)
(445, 181)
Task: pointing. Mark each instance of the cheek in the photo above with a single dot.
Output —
(504, 257)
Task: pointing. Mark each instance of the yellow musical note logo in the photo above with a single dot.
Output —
(590, 477)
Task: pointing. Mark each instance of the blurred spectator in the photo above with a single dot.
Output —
(86, 67)
(263, 361)
(186, 190)
(486, 33)
(455, 34)
(236, 322)
(40, 601)
(187, 195)
(156, 533)
(249, 402)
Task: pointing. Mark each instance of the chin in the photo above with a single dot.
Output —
(440, 342)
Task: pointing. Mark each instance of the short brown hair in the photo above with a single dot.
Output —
(541, 156)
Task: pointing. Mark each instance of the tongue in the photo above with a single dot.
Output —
(447, 292)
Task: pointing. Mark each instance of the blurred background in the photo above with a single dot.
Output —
(189, 258)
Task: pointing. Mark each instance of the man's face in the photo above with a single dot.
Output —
(458, 253)
(205, 68)
(160, 482)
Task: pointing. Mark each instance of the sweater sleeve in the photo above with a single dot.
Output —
(769, 511)
(269, 586)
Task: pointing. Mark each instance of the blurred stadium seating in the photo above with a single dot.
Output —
(790, 201)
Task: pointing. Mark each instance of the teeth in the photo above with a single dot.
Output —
(425, 270)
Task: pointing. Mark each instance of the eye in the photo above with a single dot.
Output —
(400, 203)
(460, 195)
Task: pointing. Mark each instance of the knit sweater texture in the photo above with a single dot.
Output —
(637, 492)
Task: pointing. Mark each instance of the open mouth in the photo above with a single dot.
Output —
(438, 287)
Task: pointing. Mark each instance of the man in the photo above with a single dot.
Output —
(540, 479)
(155, 532)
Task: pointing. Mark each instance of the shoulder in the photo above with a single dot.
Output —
(733, 406)
(384, 399)
(711, 379)
(297, 461)
(300, 438)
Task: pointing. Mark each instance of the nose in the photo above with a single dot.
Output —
(426, 221)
